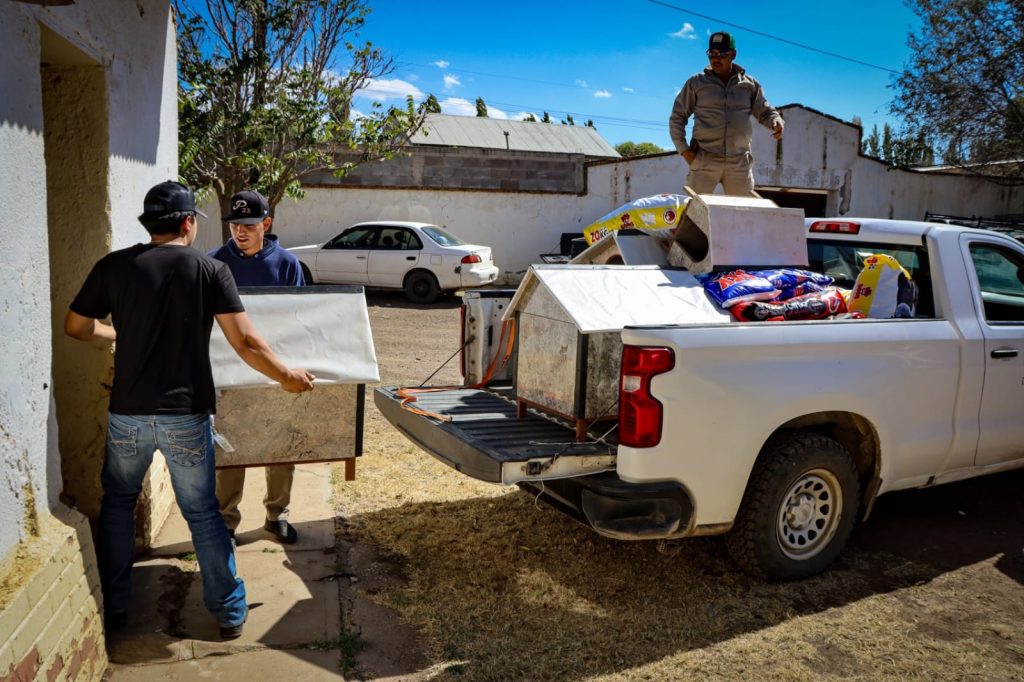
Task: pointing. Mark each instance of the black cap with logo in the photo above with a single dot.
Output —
(721, 42)
(248, 207)
(167, 199)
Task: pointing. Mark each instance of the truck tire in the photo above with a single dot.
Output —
(798, 510)
(421, 287)
(307, 276)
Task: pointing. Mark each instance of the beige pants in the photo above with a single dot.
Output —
(230, 483)
(735, 173)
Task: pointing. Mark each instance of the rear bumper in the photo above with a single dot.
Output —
(621, 510)
(478, 277)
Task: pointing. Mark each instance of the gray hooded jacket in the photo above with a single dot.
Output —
(721, 112)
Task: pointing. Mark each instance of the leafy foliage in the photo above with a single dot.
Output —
(265, 92)
(631, 149)
(431, 105)
(964, 85)
(481, 107)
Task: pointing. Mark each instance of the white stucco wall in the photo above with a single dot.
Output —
(133, 41)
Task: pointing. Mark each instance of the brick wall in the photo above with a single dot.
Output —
(50, 617)
(435, 167)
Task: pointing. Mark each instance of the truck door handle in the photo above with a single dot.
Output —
(410, 258)
(1004, 353)
(360, 257)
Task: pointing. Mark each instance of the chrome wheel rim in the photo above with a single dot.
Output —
(809, 514)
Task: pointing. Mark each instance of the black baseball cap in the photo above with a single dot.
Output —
(721, 41)
(248, 207)
(166, 199)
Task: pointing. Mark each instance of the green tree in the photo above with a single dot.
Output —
(590, 124)
(432, 106)
(964, 84)
(545, 118)
(481, 107)
(568, 120)
(631, 149)
(873, 145)
(887, 148)
(265, 92)
(530, 118)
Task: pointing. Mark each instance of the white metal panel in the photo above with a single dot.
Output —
(489, 133)
(609, 297)
(325, 333)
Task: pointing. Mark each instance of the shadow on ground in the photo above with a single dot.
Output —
(509, 590)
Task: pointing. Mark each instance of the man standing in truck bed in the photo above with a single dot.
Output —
(721, 100)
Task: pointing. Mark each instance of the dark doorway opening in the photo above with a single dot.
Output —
(814, 204)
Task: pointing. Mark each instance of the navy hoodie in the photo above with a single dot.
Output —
(272, 266)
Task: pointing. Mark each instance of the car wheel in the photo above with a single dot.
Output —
(422, 287)
(307, 276)
(798, 510)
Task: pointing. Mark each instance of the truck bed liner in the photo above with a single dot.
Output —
(484, 432)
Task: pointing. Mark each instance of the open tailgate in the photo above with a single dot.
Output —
(486, 440)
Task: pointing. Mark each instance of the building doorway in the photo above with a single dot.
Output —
(76, 151)
(814, 202)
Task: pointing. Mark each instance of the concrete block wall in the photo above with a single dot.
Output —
(51, 626)
(459, 168)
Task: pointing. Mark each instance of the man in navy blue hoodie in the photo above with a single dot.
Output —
(256, 259)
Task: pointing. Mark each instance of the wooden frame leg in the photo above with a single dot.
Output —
(350, 469)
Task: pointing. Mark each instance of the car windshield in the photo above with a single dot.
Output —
(442, 237)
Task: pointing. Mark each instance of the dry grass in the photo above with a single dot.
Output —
(502, 588)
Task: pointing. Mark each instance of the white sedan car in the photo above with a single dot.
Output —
(423, 259)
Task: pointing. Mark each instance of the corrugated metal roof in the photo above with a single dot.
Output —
(489, 133)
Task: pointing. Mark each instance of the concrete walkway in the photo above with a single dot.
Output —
(294, 627)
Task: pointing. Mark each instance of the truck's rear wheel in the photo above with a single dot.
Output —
(799, 508)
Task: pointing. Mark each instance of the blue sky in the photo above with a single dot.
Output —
(622, 63)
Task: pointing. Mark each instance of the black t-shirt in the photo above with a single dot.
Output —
(161, 300)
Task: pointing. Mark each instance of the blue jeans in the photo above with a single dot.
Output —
(187, 444)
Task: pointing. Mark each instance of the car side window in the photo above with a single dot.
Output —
(408, 240)
(1001, 280)
(358, 238)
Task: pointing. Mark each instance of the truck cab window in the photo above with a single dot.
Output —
(1000, 273)
(843, 261)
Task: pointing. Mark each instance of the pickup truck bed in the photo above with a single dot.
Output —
(485, 439)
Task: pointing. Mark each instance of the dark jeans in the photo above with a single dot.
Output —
(187, 444)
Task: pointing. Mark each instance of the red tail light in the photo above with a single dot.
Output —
(843, 226)
(640, 413)
(472, 258)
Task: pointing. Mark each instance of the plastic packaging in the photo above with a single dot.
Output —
(883, 289)
(816, 306)
(658, 215)
(732, 288)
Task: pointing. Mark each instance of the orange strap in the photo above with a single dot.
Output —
(408, 395)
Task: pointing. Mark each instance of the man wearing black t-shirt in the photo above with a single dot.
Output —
(162, 298)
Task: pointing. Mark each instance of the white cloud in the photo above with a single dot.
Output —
(582, 84)
(686, 32)
(458, 106)
(450, 81)
(627, 90)
(381, 89)
(602, 94)
(442, 63)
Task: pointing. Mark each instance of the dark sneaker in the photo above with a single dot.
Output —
(282, 531)
(231, 631)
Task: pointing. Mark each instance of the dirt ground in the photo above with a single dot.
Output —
(455, 579)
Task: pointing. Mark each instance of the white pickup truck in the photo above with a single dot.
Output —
(778, 434)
